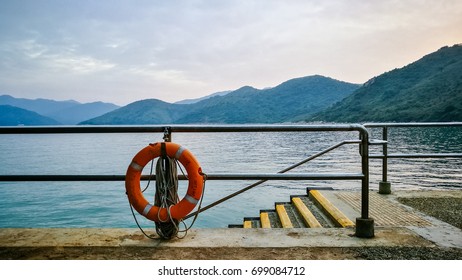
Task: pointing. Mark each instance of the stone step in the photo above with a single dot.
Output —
(273, 218)
(308, 218)
(251, 222)
(302, 211)
(322, 218)
(330, 210)
(283, 215)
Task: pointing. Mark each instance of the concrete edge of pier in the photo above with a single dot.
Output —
(27, 243)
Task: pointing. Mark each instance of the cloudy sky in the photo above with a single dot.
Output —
(124, 51)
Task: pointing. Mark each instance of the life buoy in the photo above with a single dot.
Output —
(182, 208)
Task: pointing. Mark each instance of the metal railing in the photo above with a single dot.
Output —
(364, 224)
(385, 185)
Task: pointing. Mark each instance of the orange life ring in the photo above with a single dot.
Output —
(182, 208)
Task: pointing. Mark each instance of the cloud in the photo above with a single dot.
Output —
(124, 51)
(61, 59)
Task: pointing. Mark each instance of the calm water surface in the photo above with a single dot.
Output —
(104, 204)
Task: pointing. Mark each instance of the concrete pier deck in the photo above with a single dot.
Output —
(400, 229)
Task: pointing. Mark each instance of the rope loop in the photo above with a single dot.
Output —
(166, 195)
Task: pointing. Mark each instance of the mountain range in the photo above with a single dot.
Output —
(429, 89)
(292, 100)
(49, 112)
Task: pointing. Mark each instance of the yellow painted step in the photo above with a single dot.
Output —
(308, 217)
(336, 215)
(264, 220)
(247, 224)
(283, 217)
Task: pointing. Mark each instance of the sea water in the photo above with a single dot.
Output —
(105, 204)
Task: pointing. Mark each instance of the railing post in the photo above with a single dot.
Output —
(384, 185)
(364, 224)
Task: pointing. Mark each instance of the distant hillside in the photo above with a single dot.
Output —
(291, 100)
(429, 89)
(64, 112)
(81, 112)
(148, 111)
(13, 116)
(195, 100)
(284, 103)
(39, 105)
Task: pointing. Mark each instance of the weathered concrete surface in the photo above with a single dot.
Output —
(201, 238)
(433, 239)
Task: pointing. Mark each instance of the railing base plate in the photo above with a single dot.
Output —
(364, 228)
(384, 187)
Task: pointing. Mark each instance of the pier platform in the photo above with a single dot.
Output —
(401, 232)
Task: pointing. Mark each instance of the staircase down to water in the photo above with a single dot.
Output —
(312, 210)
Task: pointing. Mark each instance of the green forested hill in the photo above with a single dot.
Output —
(429, 89)
(286, 102)
(291, 100)
(149, 111)
(13, 116)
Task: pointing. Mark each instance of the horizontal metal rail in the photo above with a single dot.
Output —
(176, 128)
(420, 124)
(168, 130)
(220, 176)
(384, 185)
(436, 155)
(384, 140)
(215, 176)
(281, 175)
